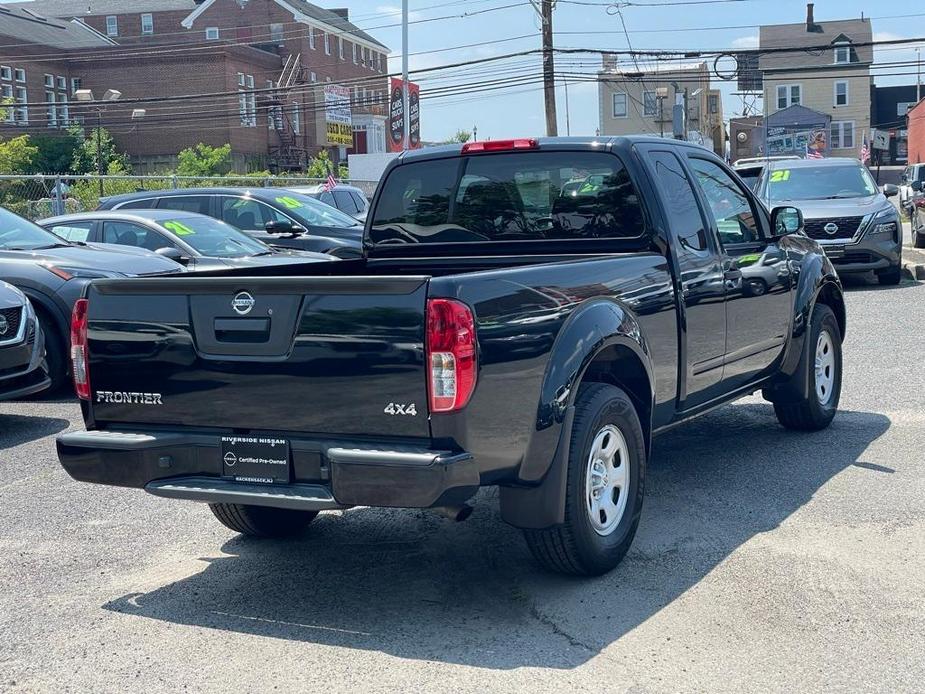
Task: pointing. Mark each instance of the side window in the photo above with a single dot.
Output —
(249, 214)
(129, 234)
(360, 201)
(75, 231)
(733, 213)
(185, 203)
(327, 199)
(345, 202)
(145, 204)
(684, 215)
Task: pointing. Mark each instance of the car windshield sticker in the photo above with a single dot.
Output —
(782, 175)
(291, 203)
(178, 228)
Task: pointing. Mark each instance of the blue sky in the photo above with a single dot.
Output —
(500, 115)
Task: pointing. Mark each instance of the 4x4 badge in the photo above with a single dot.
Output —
(243, 303)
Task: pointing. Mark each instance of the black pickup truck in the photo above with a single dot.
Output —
(527, 314)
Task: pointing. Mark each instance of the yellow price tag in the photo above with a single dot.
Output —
(178, 228)
(778, 176)
(291, 203)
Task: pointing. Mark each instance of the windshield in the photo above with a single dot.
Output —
(818, 183)
(313, 212)
(213, 238)
(508, 197)
(18, 234)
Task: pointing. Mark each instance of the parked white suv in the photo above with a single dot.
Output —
(913, 172)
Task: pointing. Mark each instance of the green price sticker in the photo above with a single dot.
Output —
(178, 228)
(778, 176)
(291, 203)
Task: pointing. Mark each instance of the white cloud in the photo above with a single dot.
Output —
(395, 12)
(745, 42)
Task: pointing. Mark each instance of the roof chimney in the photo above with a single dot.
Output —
(810, 22)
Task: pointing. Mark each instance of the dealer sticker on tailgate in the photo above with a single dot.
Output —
(256, 459)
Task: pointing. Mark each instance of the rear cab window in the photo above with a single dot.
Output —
(560, 198)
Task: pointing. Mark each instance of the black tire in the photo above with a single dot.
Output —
(810, 414)
(262, 521)
(892, 276)
(918, 239)
(575, 547)
(57, 354)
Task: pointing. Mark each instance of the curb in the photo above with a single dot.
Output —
(914, 263)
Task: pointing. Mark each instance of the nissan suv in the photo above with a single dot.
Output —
(844, 210)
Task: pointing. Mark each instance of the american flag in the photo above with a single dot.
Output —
(813, 153)
(865, 151)
(330, 183)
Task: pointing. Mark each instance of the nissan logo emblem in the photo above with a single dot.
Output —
(831, 228)
(243, 303)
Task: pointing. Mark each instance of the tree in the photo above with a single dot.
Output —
(460, 137)
(16, 155)
(55, 153)
(85, 159)
(204, 160)
(321, 165)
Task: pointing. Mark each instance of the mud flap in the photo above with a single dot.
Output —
(542, 506)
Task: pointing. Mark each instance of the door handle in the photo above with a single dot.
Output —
(732, 274)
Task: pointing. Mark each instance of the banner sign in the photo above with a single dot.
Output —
(338, 118)
(397, 116)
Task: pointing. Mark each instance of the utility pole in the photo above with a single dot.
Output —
(99, 147)
(544, 8)
(406, 95)
(568, 118)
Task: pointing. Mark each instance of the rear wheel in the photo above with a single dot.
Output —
(56, 352)
(918, 238)
(604, 488)
(824, 364)
(262, 521)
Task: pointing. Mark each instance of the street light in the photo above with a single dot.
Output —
(110, 95)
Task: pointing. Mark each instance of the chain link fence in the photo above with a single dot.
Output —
(38, 196)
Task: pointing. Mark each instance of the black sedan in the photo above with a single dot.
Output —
(22, 346)
(194, 240)
(276, 216)
(53, 273)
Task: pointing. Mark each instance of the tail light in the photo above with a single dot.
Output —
(500, 145)
(79, 362)
(451, 354)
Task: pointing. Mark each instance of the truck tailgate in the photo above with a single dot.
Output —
(324, 355)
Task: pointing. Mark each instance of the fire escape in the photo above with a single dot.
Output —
(287, 152)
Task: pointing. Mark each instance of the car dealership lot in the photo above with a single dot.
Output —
(765, 560)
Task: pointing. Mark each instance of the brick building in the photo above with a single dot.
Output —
(263, 65)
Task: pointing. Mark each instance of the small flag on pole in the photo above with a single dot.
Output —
(813, 153)
(865, 150)
(330, 183)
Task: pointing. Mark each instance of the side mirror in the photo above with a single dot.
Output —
(890, 190)
(786, 220)
(283, 227)
(175, 254)
(916, 186)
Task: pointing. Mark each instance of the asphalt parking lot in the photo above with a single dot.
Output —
(765, 561)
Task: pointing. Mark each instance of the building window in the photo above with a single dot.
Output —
(6, 95)
(340, 47)
(314, 76)
(6, 72)
(649, 104)
(327, 43)
(112, 25)
(212, 34)
(22, 112)
(269, 85)
(50, 81)
(841, 93)
(52, 112)
(247, 100)
(713, 103)
(355, 59)
(842, 134)
(75, 85)
(64, 116)
(789, 95)
(365, 60)
(20, 74)
(842, 54)
(379, 61)
(311, 38)
(296, 119)
(147, 24)
(276, 33)
(619, 105)
(62, 83)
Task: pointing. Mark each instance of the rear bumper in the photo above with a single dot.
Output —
(325, 474)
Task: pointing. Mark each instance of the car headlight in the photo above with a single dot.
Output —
(885, 222)
(69, 273)
(887, 212)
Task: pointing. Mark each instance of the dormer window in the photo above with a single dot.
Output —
(842, 54)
